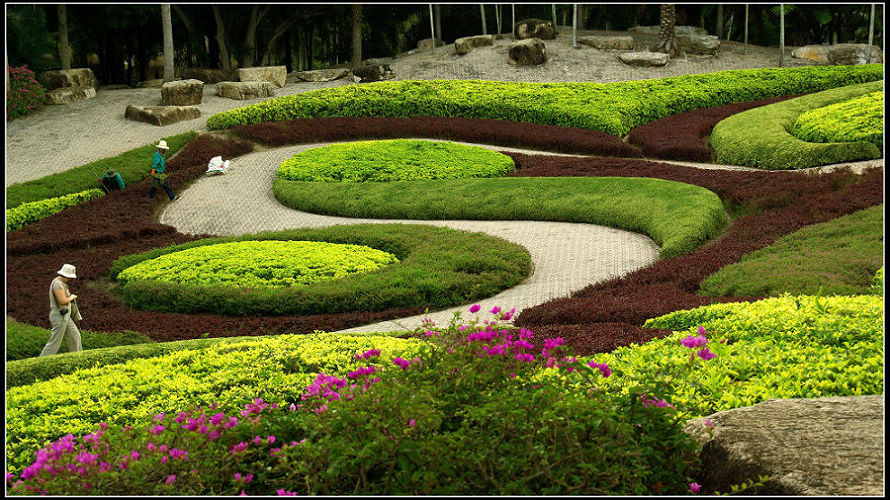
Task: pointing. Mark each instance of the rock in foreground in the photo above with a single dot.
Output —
(161, 115)
(245, 90)
(182, 93)
(322, 75)
(644, 58)
(67, 95)
(276, 75)
(527, 52)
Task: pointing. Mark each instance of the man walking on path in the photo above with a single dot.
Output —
(63, 313)
(158, 172)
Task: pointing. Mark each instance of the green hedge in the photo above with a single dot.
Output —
(394, 160)
(614, 108)
(439, 267)
(679, 217)
(133, 166)
(856, 120)
(839, 256)
(877, 282)
(761, 137)
(26, 341)
(33, 211)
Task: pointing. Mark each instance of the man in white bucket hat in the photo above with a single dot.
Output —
(158, 172)
(63, 313)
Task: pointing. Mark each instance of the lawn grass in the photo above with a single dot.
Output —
(133, 166)
(27, 341)
(679, 217)
(839, 256)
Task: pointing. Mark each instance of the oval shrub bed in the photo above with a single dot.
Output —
(259, 264)
(860, 119)
(437, 267)
(394, 160)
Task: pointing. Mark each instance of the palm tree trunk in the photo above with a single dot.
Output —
(167, 24)
(575, 25)
(64, 48)
(482, 11)
(781, 34)
(356, 35)
(499, 17)
(719, 31)
(667, 41)
(553, 10)
(871, 32)
(746, 29)
(513, 25)
(438, 8)
(432, 31)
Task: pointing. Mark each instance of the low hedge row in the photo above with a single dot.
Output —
(839, 257)
(133, 166)
(860, 119)
(26, 341)
(678, 217)
(438, 267)
(761, 137)
(394, 160)
(34, 211)
(877, 282)
(614, 108)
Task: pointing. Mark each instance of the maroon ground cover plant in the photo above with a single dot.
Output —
(680, 136)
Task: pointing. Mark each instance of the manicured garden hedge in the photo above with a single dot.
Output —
(877, 282)
(439, 267)
(678, 217)
(614, 108)
(394, 160)
(26, 341)
(33, 211)
(860, 119)
(761, 137)
(839, 257)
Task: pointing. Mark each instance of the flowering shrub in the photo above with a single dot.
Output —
(27, 213)
(24, 95)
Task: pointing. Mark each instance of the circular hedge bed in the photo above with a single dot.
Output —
(433, 267)
(259, 264)
(394, 160)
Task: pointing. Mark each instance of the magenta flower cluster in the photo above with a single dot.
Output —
(699, 341)
(24, 93)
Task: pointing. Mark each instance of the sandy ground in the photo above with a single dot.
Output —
(57, 138)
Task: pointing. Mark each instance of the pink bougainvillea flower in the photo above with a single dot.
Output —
(134, 455)
(495, 310)
(701, 331)
(705, 354)
(602, 367)
(156, 429)
(412, 422)
(693, 342)
(171, 479)
(694, 487)
(475, 308)
(283, 492)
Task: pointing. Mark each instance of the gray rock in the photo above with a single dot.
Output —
(840, 53)
(427, 44)
(206, 75)
(161, 115)
(644, 58)
(67, 95)
(273, 74)
(372, 73)
(608, 42)
(692, 39)
(151, 84)
(76, 77)
(245, 90)
(466, 44)
(678, 30)
(322, 75)
(534, 28)
(182, 93)
(831, 446)
(527, 52)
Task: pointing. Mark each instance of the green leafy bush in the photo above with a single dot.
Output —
(394, 160)
(679, 217)
(133, 166)
(438, 267)
(839, 257)
(25, 94)
(259, 264)
(857, 120)
(26, 341)
(761, 137)
(877, 283)
(614, 108)
(34, 211)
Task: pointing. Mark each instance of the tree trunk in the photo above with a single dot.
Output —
(553, 10)
(482, 11)
(281, 30)
(439, 22)
(719, 31)
(256, 16)
(220, 37)
(288, 52)
(667, 41)
(781, 34)
(575, 25)
(513, 24)
(746, 29)
(167, 24)
(432, 31)
(311, 53)
(64, 48)
(356, 35)
(871, 32)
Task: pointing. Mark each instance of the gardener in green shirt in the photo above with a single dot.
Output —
(158, 172)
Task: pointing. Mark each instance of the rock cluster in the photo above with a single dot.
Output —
(68, 85)
(534, 28)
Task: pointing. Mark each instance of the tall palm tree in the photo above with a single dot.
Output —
(167, 24)
(356, 35)
(64, 48)
(667, 41)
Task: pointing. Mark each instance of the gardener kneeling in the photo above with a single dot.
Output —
(158, 172)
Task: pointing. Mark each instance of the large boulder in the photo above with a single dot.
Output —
(840, 53)
(678, 30)
(527, 52)
(644, 58)
(534, 28)
(245, 90)
(67, 95)
(322, 75)
(272, 74)
(182, 93)
(372, 73)
(831, 446)
(161, 115)
(207, 75)
(154, 83)
(76, 77)
(692, 39)
(466, 44)
(427, 44)
(608, 42)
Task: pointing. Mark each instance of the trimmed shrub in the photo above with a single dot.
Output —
(679, 217)
(856, 120)
(761, 137)
(839, 257)
(613, 108)
(394, 160)
(26, 341)
(27, 213)
(877, 283)
(25, 94)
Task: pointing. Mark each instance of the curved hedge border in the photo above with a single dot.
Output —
(614, 108)
(394, 160)
(26, 341)
(760, 137)
(679, 217)
(859, 119)
(33, 211)
(439, 267)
